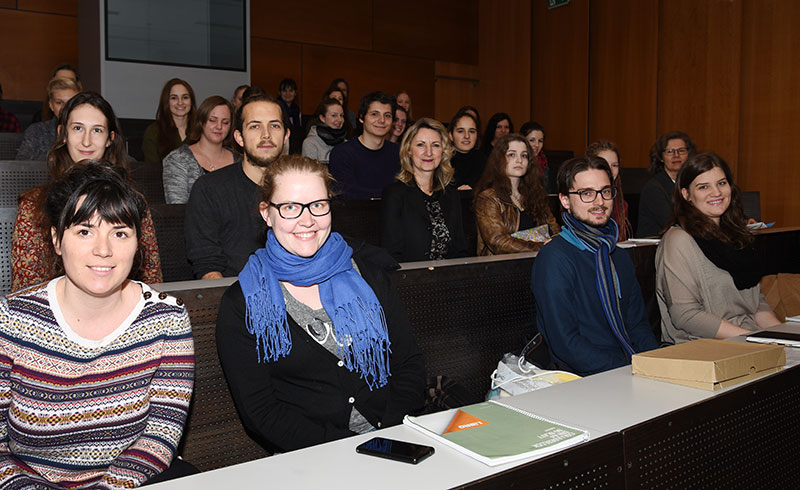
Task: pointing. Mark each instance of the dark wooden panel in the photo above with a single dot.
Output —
(435, 29)
(64, 7)
(699, 72)
(344, 24)
(770, 103)
(456, 86)
(47, 40)
(623, 75)
(272, 61)
(505, 59)
(560, 83)
(451, 95)
(366, 71)
(8, 4)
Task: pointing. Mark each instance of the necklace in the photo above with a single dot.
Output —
(209, 164)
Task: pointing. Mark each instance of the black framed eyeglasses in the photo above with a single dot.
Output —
(589, 195)
(680, 151)
(293, 210)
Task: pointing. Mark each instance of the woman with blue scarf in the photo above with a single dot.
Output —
(313, 338)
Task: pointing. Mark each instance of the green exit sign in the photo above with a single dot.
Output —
(551, 4)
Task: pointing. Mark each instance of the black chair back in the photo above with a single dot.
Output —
(168, 222)
(9, 143)
(17, 176)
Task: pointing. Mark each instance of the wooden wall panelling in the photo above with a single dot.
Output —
(456, 86)
(63, 7)
(623, 75)
(434, 29)
(366, 72)
(770, 103)
(32, 45)
(560, 81)
(8, 4)
(451, 95)
(700, 72)
(505, 59)
(272, 61)
(344, 24)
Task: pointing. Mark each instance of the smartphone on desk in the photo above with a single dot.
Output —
(406, 452)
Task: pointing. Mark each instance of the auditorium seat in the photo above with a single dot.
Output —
(168, 222)
(148, 179)
(7, 216)
(24, 110)
(358, 219)
(554, 160)
(17, 176)
(9, 143)
(751, 202)
(133, 130)
(633, 179)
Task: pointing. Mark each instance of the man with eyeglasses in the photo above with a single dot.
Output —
(589, 307)
(223, 226)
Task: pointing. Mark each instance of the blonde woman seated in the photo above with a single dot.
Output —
(707, 271)
(509, 198)
(421, 212)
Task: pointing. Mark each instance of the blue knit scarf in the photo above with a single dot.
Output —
(601, 242)
(358, 320)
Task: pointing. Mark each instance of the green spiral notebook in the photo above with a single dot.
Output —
(494, 433)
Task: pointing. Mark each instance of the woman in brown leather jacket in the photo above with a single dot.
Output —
(510, 198)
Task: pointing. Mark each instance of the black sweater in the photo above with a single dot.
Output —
(222, 225)
(468, 166)
(306, 398)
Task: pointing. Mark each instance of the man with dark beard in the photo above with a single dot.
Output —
(223, 225)
(589, 307)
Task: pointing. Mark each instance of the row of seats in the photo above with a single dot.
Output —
(465, 316)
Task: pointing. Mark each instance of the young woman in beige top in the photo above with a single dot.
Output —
(707, 271)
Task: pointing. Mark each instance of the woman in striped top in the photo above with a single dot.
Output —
(96, 370)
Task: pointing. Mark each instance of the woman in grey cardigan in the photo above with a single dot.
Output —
(328, 132)
(210, 136)
(707, 270)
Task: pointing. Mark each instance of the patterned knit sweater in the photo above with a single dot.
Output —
(79, 413)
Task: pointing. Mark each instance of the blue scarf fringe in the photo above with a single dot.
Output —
(358, 318)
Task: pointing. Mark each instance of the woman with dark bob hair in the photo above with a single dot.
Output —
(87, 129)
(313, 338)
(498, 126)
(667, 156)
(209, 149)
(176, 107)
(707, 270)
(509, 198)
(96, 369)
(609, 152)
(421, 212)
